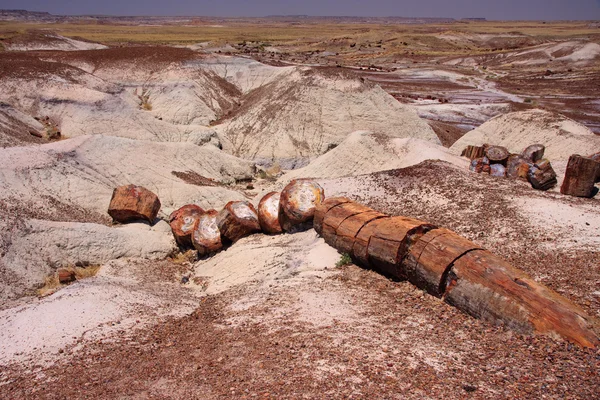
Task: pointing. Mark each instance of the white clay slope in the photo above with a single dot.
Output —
(561, 136)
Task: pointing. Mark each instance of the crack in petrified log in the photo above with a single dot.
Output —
(453, 268)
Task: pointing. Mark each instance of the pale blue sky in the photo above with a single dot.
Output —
(491, 9)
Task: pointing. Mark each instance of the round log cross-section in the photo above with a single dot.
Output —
(297, 204)
(206, 236)
(497, 154)
(238, 219)
(268, 213)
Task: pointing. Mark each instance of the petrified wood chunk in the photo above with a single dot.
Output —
(237, 219)
(322, 209)
(361, 242)
(473, 152)
(498, 170)
(349, 228)
(580, 177)
(206, 236)
(66, 275)
(131, 202)
(429, 259)
(487, 287)
(268, 213)
(478, 165)
(497, 154)
(391, 240)
(336, 215)
(298, 202)
(534, 153)
(542, 176)
(517, 167)
(596, 157)
(183, 221)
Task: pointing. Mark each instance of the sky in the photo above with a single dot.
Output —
(490, 9)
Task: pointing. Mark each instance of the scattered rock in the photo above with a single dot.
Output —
(517, 167)
(65, 275)
(534, 153)
(206, 237)
(542, 175)
(498, 170)
(131, 202)
(183, 221)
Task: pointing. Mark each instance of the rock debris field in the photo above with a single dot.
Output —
(187, 224)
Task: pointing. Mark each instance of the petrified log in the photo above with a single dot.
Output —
(534, 153)
(237, 219)
(361, 241)
(336, 215)
(542, 176)
(498, 170)
(487, 287)
(322, 209)
(183, 221)
(497, 154)
(431, 257)
(206, 236)
(297, 204)
(473, 152)
(65, 275)
(390, 242)
(580, 177)
(268, 213)
(349, 228)
(517, 167)
(129, 203)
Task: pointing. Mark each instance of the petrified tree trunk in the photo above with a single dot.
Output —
(580, 177)
(129, 203)
(497, 154)
(487, 287)
(297, 204)
(473, 152)
(206, 236)
(450, 266)
(237, 219)
(183, 221)
(268, 213)
(534, 153)
(542, 176)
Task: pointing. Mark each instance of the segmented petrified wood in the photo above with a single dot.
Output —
(297, 204)
(336, 215)
(390, 241)
(322, 209)
(534, 153)
(182, 221)
(430, 258)
(131, 202)
(206, 236)
(517, 167)
(268, 213)
(473, 152)
(580, 176)
(349, 228)
(542, 175)
(497, 154)
(361, 241)
(237, 219)
(487, 287)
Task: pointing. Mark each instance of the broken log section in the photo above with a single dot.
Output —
(580, 177)
(268, 213)
(453, 268)
(237, 219)
(206, 236)
(297, 204)
(473, 152)
(183, 222)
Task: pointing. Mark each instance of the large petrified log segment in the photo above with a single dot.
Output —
(534, 153)
(237, 219)
(131, 202)
(183, 221)
(487, 287)
(497, 154)
(336, 215)
(390, 242)
(323, 208)
(206, 236)
(542, 175)
(580, 177)
(298, 202)
(361, 242)
(268, 213)
(430, 258)
(347, 231)
(473, 152)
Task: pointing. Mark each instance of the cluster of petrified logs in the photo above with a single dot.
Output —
(434, 259)
(581, 176)
(453, 268)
